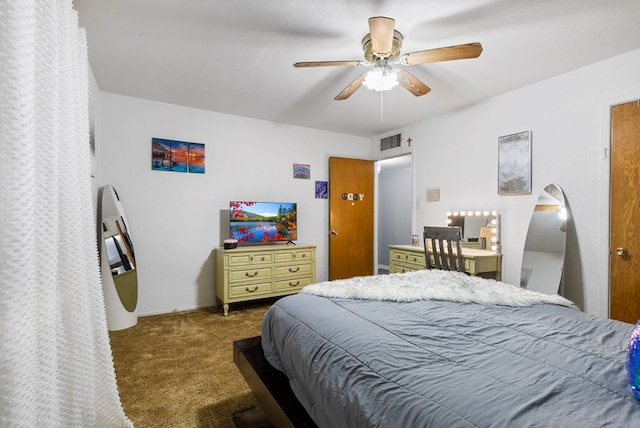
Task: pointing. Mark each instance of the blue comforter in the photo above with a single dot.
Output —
(369, 363)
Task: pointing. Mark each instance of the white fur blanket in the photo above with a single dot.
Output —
(433, 285)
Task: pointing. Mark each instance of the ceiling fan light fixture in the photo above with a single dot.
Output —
(382, 47)
(370, 55)
(380, 78)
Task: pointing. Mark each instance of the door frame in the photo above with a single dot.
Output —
(604, 266)
(376, 190)
(376, 220)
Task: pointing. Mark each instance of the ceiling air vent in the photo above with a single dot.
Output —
(391, 142)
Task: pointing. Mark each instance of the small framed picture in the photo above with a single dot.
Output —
(322, 190)
(301, 170)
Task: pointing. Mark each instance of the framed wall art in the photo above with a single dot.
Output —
(514, 164)
(301, 170)
(177, 156)
(322, 191)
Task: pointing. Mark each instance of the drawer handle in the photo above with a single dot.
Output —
(255, 288)
(294, 271)
(251, 276)
(291, 284)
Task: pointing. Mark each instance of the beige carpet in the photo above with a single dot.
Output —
(177, 370)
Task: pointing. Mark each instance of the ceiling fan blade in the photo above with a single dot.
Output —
(412, 83)
(351, 88)
(354, 63)
(469, 50)
(381, 31)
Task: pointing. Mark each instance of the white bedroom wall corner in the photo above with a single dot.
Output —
(175, 217)
(565, 115)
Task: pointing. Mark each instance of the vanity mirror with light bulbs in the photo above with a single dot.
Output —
(480, 229)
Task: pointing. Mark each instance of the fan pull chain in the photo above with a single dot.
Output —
(381, 106)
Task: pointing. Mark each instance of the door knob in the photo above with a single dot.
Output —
(334, 232)
(621, 251)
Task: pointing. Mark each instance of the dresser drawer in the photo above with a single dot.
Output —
(293, 269)
(243, 259)
(251, 274)
(477, 266)
(402, 268)
(250, 289)
(470, 266)
(294, 255)
(482, 265)
(292, 284)
(414, 258)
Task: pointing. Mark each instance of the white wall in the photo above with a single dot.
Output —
(175, 218)
(569, 117)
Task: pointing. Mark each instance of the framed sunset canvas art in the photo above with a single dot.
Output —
(177, 156)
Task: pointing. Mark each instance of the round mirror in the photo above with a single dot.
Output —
(544, 248)
(117, 260)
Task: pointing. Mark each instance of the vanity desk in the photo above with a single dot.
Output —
(485, 263)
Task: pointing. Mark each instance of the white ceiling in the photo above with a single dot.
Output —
(236, 56)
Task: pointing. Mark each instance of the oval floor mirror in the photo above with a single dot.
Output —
(117, 260)
(544, 248)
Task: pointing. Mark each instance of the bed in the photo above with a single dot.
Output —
(443, 349)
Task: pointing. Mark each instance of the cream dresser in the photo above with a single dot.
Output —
(257, 272)
(486, 263)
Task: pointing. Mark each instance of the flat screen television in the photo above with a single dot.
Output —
(262, 222)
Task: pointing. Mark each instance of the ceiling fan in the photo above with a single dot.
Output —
(381, 49)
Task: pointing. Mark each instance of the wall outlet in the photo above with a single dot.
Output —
(433, 195)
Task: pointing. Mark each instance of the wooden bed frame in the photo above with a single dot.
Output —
(270, 386)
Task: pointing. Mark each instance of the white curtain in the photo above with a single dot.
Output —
(56, 368)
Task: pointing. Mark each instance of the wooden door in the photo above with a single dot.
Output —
(350, 217)
(624, 280)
